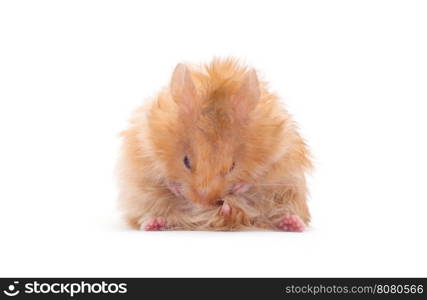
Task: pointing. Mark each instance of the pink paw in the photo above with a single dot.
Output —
(225, 209)
(291, 223)
(154, 224)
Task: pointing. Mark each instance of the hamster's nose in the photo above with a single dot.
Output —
(202, 194)
(208, 199)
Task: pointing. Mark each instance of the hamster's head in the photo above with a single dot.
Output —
(208, 145)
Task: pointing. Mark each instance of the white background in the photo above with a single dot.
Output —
(353, 73)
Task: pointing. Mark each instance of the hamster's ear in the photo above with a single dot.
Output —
(247, 96)
(183, 90)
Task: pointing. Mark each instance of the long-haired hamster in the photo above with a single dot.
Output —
(214, 150)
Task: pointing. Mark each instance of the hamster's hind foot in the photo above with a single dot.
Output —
(292, 223)
(154, 224)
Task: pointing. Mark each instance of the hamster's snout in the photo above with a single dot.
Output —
(207, 191)
(208, 198)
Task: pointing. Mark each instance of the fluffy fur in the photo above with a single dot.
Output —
(247, 161)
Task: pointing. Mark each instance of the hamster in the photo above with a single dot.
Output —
(214, 150)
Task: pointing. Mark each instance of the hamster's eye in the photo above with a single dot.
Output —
(232, 166)
(187, 162)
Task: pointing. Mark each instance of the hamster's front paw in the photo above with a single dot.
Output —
(292, 223)
(154, 224)
(225, 209)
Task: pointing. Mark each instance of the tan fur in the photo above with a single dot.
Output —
(216, 115)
